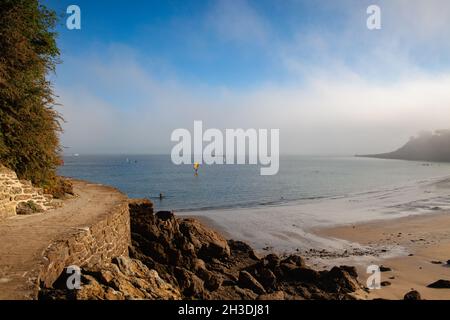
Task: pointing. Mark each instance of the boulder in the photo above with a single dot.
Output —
(165, 215)
(271, 261)
(412, 295)
(302, 274)
(266, 277)
(247, 281)
(190, 285)
(207, 243)
(240, 246)
(339, 280)
(295, 260)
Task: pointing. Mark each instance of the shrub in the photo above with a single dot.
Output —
(29, 124)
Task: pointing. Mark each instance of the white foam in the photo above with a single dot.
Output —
(283, 228)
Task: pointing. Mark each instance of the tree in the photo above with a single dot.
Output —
(29, 124)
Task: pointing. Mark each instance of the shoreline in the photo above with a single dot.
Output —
(426, 239)
(411, 246)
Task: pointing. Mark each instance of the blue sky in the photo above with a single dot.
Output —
(144, 68)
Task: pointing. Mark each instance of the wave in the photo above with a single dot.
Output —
(404, 192)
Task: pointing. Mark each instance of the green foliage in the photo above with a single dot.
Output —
(29, 126)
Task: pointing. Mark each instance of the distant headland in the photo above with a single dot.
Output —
(427, 146)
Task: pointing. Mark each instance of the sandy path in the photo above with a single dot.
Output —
(426, 237)
(23, 239)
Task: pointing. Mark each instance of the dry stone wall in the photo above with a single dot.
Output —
(95, 245)
(14, 191)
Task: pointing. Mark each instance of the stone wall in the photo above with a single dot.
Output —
(14, 191)
(109, 237)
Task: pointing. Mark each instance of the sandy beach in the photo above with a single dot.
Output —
(426, 238)
(423, 240)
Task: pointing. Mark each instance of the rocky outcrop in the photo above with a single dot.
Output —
(122, 279)
(173, 258)
(195, 262)
(19, 196)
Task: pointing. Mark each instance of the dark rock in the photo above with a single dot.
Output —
(214, 282)
(385, 283)
(239, 246)
(385, 269)
(440, 284)
(244, 248)
(165, 215)
(266, 277)
(412, 295)
(181, 258)
(271, 261)
(436, 262)
(302, 274)
(350, 270)
(247, 281)
(61, 281)
(207, 243)
(140, 207)
(190, 284)
(340, 280)
(294, 259)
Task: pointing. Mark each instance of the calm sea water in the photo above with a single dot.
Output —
(233, 186)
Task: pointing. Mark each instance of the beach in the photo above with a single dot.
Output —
(392, 213)
(415, 248)
(426, 239)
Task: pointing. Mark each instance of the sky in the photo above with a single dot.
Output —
(139, 69)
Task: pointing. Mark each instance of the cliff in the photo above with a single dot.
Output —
(425, 147)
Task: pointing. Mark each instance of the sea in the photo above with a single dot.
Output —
(276, 211)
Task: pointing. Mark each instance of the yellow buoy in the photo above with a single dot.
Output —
(196, 166)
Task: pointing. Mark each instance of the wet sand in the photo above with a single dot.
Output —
(425, 238)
